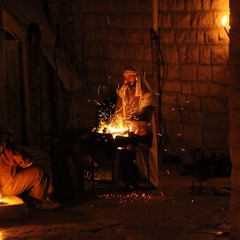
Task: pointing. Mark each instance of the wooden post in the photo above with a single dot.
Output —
(234, 113)
(156, 62)
(1, 41)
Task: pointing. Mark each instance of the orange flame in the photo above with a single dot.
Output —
(224, 20)
(116, 126)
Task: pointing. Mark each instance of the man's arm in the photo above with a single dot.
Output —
(145, 114)
(118, 105)
(22, 161)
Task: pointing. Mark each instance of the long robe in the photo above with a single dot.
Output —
(132, 106)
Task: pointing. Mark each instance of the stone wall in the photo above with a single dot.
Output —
(102, 37)
(195, 96)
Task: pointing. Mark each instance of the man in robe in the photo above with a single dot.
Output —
(136, 105)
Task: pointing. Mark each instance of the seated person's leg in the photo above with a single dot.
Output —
(32, 179)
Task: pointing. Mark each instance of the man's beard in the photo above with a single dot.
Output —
(129, 84)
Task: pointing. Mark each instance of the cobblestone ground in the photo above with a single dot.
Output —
(172, 212)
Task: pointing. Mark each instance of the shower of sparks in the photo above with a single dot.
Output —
(113, 124)
(98, 103)
(108, 20)
(99, 87)
(129, 198)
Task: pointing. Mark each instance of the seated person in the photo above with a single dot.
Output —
(20, 175)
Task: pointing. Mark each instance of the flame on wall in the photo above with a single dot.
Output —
(224, 20)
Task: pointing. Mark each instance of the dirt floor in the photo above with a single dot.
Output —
(172, 212)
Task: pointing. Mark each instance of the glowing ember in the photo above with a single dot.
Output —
(12, 207)
(129, 198)
(124, 198)
(1, 198)
(10, 200)
(1, 235)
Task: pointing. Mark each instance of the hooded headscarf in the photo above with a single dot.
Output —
(142, 90)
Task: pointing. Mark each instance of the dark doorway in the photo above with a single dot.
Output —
(13, 105)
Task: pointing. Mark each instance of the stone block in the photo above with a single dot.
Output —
(234, 99)
(200, 89)
(214, 138)
(167, 37)
(205, 55)
(182, 54)
(214, 105)
(219, 55)
(187, 88)
(215, 90)
(188, 72)
(165, 20)
(169, 98)
(171, 113)
(193, 131)
(185, 37)
(172, 86)
(192, 54)
(173, 72)
(170, 54)
(181, 20)
(197, 117)
(219, 5)
(163, 5)
(220, 74)
(204, 73)
(193, 5)
(176, 5)
(211, 37)
(217, 120)
(206, 5)
(205, 20)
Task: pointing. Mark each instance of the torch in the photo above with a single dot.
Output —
(224, 22)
